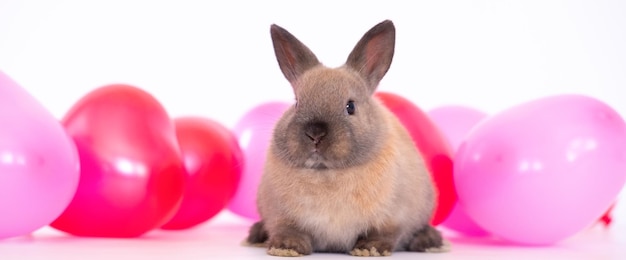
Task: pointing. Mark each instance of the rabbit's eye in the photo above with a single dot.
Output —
(350, 107)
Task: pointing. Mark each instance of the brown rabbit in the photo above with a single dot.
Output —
(342, 174)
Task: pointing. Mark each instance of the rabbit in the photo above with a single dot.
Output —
(342, 174)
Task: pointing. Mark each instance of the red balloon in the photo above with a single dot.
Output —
(433, 147)
(213, 160)
(132, 176)
(607, 218)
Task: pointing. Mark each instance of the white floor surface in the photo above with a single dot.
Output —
(220, 238)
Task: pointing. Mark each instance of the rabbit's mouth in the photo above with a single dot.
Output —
(316, 162)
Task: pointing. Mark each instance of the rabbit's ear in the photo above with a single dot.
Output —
(372, 55)
(294, 58)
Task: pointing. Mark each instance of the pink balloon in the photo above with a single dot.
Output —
(455, 122)
(39, 166)
(541, 171)
(254, 132)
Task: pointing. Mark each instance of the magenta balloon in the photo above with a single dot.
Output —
(254, 132)
(540, 172)
(39, 166)
(455, 122)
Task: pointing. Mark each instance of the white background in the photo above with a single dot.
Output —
(215, 58)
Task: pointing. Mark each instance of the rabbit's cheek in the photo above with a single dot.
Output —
(343, 148)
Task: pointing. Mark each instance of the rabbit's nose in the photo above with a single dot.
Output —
(316, 131)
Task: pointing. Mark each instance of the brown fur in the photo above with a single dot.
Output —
(341, 182)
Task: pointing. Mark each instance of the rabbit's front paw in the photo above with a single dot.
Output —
(290, 245)
(375, 243)
(370, 251)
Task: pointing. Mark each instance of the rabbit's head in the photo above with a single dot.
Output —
(335, 123)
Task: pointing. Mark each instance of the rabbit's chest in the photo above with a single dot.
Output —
(337, 214)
